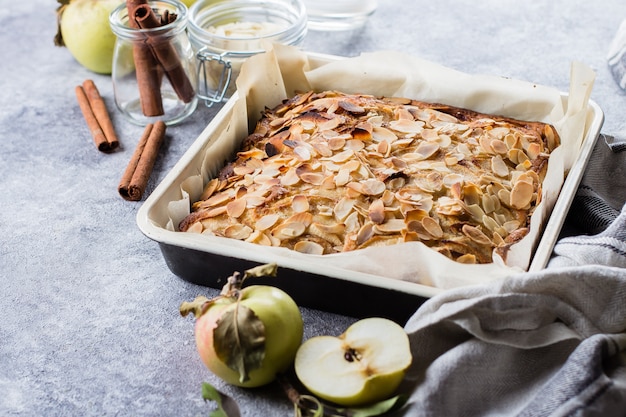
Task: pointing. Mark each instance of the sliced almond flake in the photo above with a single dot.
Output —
(288, 230)
(444, 117)
(450, 179)
(407, 126)
(197, 227)
(366, 232)
(352, 223)
(351, 106)
(497, 239)
(243, 170)
(290, 177)
(499, 147)
(302, 153)
(252, 153)
(485, 144)
(430, 135)
(343, 208)
(238, 231)
(315, 178)
(521, 194)
(254, 200)
(376, 211)
(524, 166)
(305, 218)
(322, 148)
(490, 203)
(342, 156)
(467, 259)
(308, 247)
(300, 203)
(512, 141)
(456, 191)
(511, 226)
(307, 125)
(464, 149)
(266, 222)
(355, 186)
(214, 212)
(398, 163)
(279, 121)
(383, 148)
(210, 188)
(505, 197)
(380, 133)
(476, 235)
(403, 113)
(427, 149)
(475, 211)
(354, 145)
(390, 226)
(433, 227)
(235, 208)
(499, 167)
(551, 138)
(342, 177)
(444, 141)
(449, 207)
(259, 238)
(534, 150)
(325, 233)
(328, 183)
(262, 179)
(375, 121)
(490, 223)
(373, 187)
(472, 194)
(330, 124)
(217, 199)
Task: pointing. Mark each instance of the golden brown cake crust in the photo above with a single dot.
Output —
(330, 172)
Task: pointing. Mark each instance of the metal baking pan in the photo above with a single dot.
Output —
(314, 284)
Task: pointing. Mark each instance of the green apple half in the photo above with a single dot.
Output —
(85, 30)
(365, 364)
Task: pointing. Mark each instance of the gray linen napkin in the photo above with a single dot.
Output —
(549, 343)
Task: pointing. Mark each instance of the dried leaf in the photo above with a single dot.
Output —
(226, 406)
(239, 340)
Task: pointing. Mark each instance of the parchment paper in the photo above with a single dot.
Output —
(282, 71)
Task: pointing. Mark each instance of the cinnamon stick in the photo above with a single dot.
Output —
(137, 173)
(96, 116)
(165, 54)
(147, 69)
(100, 110)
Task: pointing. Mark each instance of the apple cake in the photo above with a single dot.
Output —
(329, 172)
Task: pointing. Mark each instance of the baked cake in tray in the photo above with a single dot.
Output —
(328, 172)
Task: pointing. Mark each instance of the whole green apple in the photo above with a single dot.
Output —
(247, 336)
(84, 29)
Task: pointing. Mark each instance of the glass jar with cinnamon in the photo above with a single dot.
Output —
(224, 33)
(154, 72)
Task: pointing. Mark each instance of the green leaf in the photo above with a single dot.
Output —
(226, 406)
(379, 408)
(239, 340)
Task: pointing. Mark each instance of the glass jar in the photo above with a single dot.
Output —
(224, 33)
(154, 71)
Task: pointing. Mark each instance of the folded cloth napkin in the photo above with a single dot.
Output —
(617, 56)
(548, 343)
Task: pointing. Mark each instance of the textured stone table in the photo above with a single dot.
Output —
(89, 322)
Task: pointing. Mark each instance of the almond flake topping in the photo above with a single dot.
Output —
(330, 172)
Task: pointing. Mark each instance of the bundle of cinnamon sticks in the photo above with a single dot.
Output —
(155, 57)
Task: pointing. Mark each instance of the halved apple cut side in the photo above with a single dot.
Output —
(365, 364)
